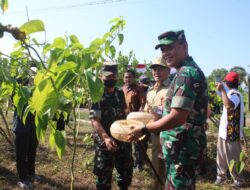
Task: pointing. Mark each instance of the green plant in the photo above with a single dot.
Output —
(67, 75)
(239, 165)
(88, 160)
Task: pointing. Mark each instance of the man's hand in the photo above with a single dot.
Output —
(219, 86)
(134, 134)
(110, 144)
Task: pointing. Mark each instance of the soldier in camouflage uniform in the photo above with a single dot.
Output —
(183, 136)
(110, 153)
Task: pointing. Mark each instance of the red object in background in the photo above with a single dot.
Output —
(141, 68)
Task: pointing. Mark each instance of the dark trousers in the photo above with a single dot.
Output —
(140, 151)
(105, 161)
(25, 145)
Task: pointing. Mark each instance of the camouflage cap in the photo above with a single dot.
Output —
(109, 68)
(158, 61)
(170, 37)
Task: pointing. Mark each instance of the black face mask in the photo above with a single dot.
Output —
(109, 83)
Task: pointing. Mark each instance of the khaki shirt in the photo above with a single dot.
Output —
(156, 97)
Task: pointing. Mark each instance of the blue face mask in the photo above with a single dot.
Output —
(109, 83)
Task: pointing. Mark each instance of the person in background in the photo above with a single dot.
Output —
(156, 98)
(134, 94)
(182, 127)
(135, 101)
(110, 153)
(230, 129)
(26, 143)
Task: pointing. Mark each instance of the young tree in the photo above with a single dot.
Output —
(67, 75)
(124, 63)
(217, 74)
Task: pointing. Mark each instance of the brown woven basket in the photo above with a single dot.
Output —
(121, 128)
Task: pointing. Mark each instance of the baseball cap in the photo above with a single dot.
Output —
(170, 37)
(158, 61)
(109, 68)
(232, 77)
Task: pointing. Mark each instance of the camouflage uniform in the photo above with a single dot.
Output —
(111, 108)
(184, 147)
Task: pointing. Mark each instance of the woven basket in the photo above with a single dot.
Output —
(121, 128)
(143, 117)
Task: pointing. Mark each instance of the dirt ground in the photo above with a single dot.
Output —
(56, 175)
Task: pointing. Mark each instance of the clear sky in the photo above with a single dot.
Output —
(218, 31)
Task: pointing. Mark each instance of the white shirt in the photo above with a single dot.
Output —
(223, 121)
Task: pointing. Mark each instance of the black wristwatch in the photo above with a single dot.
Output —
(144, 130)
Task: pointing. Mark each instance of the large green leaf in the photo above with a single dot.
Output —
(42, 90)
(73, 39)
(96, 45)
(59, 43)
(64, 79)
(66, 66)
(240, 166)
(77, 46)
(56, 57)
(41, 122)
(60, 142)
(120, 38)
(51, 104)
(45, 98)
(231, 165)
(47, 48)
(25, 113)
(87, 61)
(21, 98)
(242, 155)
(95, 86)
(32, 27)
(107, 47)
(6, 89)
(114, 20)
(113, 51)
(52, 142)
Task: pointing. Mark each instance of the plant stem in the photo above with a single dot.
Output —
(27, 46)
(3, 133)
(74, 152)
(5, 122)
